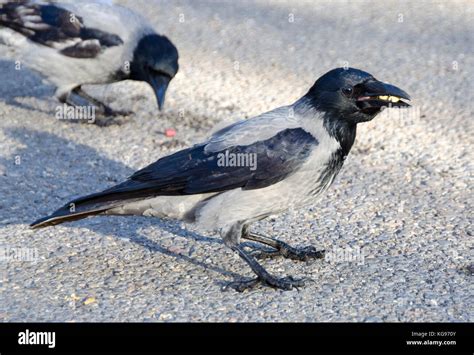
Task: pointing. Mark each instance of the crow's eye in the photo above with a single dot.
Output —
(347, 91)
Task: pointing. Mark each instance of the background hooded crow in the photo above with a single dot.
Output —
(88, 43)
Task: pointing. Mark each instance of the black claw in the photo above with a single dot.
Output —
(301, 254)
(280, 248)
(289, 252)
(285, 283)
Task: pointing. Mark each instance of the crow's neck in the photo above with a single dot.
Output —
(343, 132)
(341, 129)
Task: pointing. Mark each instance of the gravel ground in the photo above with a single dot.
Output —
(404, 198)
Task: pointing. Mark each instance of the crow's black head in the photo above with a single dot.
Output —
(155, 61)
(353, 96)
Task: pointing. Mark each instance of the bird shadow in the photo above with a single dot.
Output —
(49, 171)
(19, 82)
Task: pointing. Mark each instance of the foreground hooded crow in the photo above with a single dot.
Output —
(88, 43)
(252, 169)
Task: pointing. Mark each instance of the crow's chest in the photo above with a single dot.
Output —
(324, 176)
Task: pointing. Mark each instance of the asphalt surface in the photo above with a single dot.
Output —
(403, 203)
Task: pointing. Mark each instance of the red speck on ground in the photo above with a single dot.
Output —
(170, 132)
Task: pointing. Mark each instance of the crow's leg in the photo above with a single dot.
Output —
(79, 98)
(263, 276)
(283, 249)
(232, 239)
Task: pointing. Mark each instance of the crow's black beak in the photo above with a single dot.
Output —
(159, 82)
(373, 95)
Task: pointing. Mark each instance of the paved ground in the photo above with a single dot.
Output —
(404, 196)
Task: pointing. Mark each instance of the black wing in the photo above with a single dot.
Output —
(56, 27)
(254, 166)
(195, 171)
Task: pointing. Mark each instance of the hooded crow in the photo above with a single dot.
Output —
(88, 43)
(252, 169)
